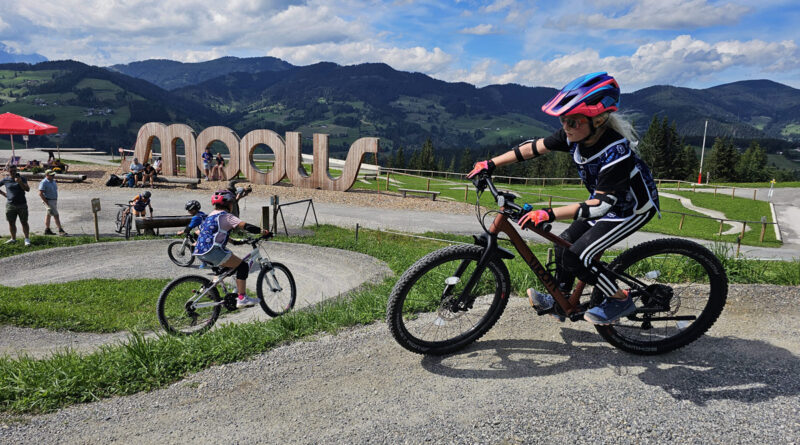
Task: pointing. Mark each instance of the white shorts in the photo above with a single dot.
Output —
(216, 256)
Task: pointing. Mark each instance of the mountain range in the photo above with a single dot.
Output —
(347, 102)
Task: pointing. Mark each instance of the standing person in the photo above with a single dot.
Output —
(214, 234)
(238, 193)
(17, 205)
(157, 165)
(207, 157)
(48, 191)
(622, 194)
(141, 203)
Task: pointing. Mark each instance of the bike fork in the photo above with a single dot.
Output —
(464, 300)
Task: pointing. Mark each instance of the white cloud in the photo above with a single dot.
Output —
(479, 30)
(663, 14)
(407, 59)
(676, 62)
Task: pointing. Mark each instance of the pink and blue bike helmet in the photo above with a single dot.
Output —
(589, 95)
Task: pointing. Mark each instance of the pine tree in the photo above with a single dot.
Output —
(399, 158)
(648, 148)
(465, 161)
(752, 165)
(722, 160)
(427, 159)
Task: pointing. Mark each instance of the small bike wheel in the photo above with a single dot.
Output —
(424, 313)
(181, 312)
(180, 252)
(686, 289)
(119, 220)
(276, 290)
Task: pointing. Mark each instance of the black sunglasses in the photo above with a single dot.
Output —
(570, 121)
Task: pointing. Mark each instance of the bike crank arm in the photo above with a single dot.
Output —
(674, 318)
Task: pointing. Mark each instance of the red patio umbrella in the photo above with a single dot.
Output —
(12, 124)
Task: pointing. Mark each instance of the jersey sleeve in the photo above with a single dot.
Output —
(557, 141)
(228, 221)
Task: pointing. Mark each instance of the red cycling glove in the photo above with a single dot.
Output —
(537, 217)
(487, 165)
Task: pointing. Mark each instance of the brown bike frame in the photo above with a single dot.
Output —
(502, 225)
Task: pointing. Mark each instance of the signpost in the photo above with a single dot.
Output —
(95, 210)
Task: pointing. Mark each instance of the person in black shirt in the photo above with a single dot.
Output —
(17, 205)
(622, 193)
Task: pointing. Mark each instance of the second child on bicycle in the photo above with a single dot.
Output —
(213, 239)
(193, 207)
(622, 193)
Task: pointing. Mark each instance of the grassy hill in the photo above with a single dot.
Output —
(91, 106)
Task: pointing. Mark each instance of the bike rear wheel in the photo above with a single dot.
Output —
(180, 313)
(422, 313)
(687, 288)
(180, 253)
(276, 290)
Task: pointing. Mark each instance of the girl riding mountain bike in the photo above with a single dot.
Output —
(622, 193)
(213, 238)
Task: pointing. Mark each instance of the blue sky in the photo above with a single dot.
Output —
(693, 43)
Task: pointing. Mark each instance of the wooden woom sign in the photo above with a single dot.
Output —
(288, 155)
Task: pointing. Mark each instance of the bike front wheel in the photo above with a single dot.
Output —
(276, 289)
(188, 306)
(425, 313)
(685, 292)
(127, 223)
(120, 219)
(180, 252)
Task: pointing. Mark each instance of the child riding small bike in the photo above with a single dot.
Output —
(213, 239)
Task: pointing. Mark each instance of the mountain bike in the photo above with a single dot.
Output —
(191, 304)
(453, 296)
(180, 251)
(124, 220)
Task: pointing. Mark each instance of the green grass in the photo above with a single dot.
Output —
(40, 242)
(141, 364)
(701, 228)
(98, 305)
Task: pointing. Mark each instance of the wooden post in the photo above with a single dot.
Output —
(733, 192)
(754, 194)
(543, 182)
(275, 202)
(95, 209)
(744, 226)
(763, 229)
(466, 190)
(659, 183)
(680, 226)
(715, 191)
(356, 232)
(679, 185)
(738, 246)
(387, 181)
(550, 202)
(264, 217)
(720, 227)
(428, 185)
(526, 181)
(378, 183)
(694, 188)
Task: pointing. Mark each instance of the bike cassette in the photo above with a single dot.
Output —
(230, 301)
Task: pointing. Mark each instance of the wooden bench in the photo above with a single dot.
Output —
(421, 192)
(191, 183)
(152, 224)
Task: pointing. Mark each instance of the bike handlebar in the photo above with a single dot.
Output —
(252, 240)
(505, 201)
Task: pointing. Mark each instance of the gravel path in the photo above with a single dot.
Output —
(529, 380)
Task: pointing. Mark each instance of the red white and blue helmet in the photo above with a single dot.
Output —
(589, 95)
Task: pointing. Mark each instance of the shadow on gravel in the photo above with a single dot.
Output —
(712, 368)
